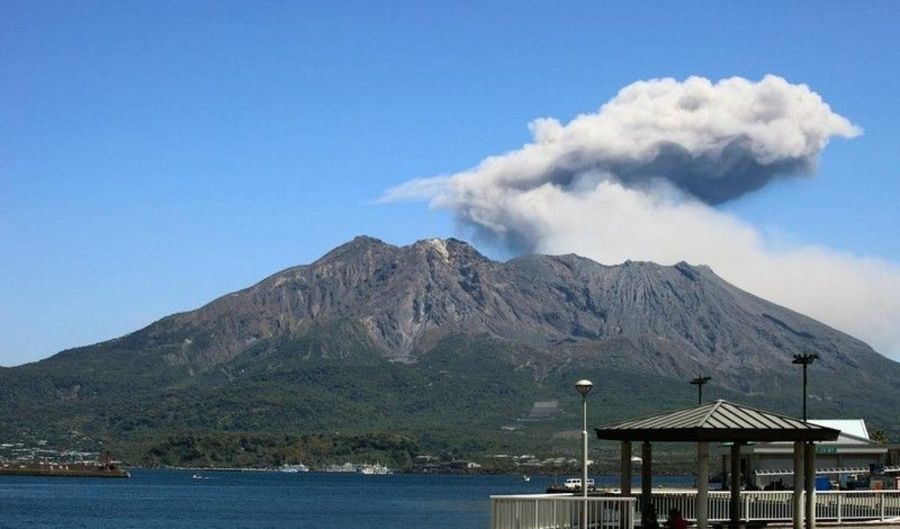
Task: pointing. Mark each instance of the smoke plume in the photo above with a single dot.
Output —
(640, 179)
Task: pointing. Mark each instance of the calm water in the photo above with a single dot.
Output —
(226, 500)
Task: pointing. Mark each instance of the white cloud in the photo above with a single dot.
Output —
(612, 223)
(713, 141)
(640, 178)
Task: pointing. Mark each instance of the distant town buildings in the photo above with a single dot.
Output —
(20, 453)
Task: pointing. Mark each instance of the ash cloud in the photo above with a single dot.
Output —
(712, 141)
(641, 178)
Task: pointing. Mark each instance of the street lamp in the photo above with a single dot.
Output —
(699, 381)
(804, 360)
(584, 387)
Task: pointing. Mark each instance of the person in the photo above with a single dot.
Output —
(648, 518)
(675, 520)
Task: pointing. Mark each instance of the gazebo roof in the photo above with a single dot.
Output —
(719, 421)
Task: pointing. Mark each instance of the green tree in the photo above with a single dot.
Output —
(880, 436)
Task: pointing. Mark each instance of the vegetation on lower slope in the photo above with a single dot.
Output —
(305, 399)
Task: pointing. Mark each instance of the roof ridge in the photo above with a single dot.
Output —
(654, 415)
(711, 411)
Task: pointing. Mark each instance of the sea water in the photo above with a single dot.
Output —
(157, 499)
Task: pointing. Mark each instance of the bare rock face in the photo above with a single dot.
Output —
(675, 320)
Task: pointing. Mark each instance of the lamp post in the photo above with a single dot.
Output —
(584, 387)
(699, 381)
(804, 360)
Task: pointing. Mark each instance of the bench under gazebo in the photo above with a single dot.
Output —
(727, 423)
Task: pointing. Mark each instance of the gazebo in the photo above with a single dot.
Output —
(721, 422)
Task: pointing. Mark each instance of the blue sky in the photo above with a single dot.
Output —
(156, 155)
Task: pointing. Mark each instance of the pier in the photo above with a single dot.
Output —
(722, 422)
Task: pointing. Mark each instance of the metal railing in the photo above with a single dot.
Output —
(755, 505)
(561, 511)
(778, 505)
(858, 505)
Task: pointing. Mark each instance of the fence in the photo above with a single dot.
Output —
(858, 505)
(755, 505)
(778, 505)
(561, 511)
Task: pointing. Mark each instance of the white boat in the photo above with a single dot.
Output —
(575, 483)
(294, 468)
(526, 478)
(346, 467)
(376, 469)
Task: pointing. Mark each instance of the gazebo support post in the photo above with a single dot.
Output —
(799, 477)
(735, 486)
(702, 507)
(810, 465)
(625, 483)
(646, 476)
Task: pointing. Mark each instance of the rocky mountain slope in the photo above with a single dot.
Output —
(376, 337)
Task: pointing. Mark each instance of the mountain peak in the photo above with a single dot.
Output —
(363, 241)
(450, 249)
(358, 245)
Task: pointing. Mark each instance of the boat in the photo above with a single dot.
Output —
(293, 469)
(570, 485)
(376, 469)
(105, 468)
(346, 467)
(526, 478)
(63, 471)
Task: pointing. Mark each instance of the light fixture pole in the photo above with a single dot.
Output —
(804, 360)
(699, 381)
(584, 387)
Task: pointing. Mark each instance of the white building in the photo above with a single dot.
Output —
(845, 460)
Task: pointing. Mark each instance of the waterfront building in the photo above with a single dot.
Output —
(844, 462)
